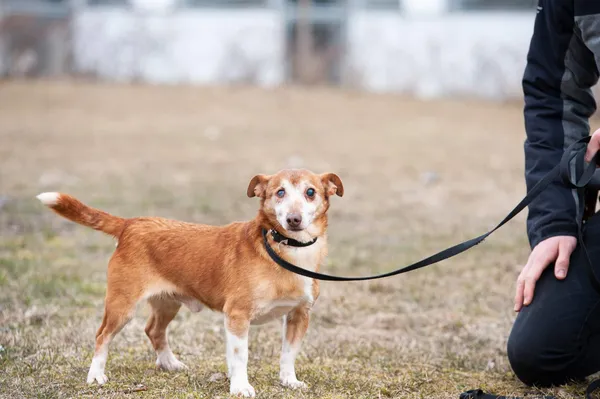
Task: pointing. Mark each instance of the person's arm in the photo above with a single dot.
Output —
(558, 76)
(558, 103)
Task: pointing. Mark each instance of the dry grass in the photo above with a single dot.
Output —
(418, 177)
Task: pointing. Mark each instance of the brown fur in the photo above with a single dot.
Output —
(77, 212)
(225, 268)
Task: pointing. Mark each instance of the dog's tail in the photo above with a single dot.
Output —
(73, 209)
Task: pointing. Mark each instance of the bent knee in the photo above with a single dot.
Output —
(536, 363)
(524, 361)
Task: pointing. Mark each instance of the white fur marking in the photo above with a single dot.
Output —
(49, 199)
(295, 201)
(287, 371)
(237, 364)
(308, 289)
(96, 372)
(308, 258)
(166, 360)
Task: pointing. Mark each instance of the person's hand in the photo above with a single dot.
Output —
(593, 146)
(552, 249)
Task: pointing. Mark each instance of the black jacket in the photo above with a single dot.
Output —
(561, 69)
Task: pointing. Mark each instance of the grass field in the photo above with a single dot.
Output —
(418, 176)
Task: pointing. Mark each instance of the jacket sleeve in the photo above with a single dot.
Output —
(559, 73)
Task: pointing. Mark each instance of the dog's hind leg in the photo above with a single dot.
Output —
(163, 311)
(118, 311)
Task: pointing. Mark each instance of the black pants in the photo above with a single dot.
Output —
(556, 339)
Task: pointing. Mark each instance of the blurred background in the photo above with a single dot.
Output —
(428, 48)
(169, 107)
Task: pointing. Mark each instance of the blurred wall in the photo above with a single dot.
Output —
(418, 47)
(207, 46)
(429, 55)
(457, 53)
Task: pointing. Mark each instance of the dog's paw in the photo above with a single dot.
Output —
(168, 362)
(173, 365)
(242, 389)
(292, 382)
(97, 376)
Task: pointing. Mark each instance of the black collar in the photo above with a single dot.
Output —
(278, 259)
(280, 238)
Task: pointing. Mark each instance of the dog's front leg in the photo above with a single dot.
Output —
(237, 326)
(295, 325)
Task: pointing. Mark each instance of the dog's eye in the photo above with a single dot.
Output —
(281, 193)
(310, 192)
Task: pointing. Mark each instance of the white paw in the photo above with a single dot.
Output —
(172, 365)
(168, 361)
(98, 376)
(243, 389)
(292, 382)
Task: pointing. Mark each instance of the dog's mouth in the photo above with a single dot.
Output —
(295, 229)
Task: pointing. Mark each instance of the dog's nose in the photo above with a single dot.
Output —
(294, 220)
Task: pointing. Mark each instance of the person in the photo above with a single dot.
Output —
(555, 338)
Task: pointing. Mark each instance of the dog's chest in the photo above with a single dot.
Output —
(300, 295)
(268, 310)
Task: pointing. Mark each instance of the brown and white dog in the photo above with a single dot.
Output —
(224, 268)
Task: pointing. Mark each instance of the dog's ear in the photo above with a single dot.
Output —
(333, 184)
(257, 186)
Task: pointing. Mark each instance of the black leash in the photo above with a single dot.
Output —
(479, 394)
(565, 170)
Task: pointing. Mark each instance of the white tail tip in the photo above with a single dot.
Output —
(49, 199)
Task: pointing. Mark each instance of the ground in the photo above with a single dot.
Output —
(418, 176)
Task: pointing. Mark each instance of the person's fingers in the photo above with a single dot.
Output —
(520, 290)
(519, 294)
(555, 249)
(533, 274)
(593, 146)
(561, 267)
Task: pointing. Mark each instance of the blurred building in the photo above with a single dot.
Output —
(429, 48)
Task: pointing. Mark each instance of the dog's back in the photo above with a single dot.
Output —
(226, 268)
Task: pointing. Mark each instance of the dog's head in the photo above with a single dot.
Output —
(296, 200)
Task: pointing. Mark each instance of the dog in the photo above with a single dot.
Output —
(170, 263)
